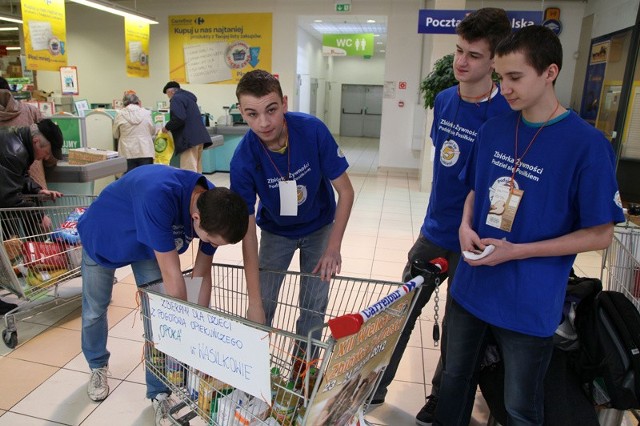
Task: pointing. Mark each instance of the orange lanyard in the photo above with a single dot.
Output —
(288, 146)
(518, 160)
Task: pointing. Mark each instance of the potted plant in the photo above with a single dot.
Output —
(440, 78)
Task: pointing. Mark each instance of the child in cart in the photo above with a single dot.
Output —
(147, 219)
(293, 164)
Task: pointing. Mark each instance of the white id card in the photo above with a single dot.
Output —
(288, 197)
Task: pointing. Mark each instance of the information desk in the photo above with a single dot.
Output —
(80, 178)
(219, 159)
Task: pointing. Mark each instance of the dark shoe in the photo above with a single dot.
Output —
(6, 307)
(426, 415)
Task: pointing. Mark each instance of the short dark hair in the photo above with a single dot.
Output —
(224, 213)
(4, 84)
(489, 23)
(258, 83)
(540, 46)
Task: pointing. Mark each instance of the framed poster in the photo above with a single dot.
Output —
(69, 80)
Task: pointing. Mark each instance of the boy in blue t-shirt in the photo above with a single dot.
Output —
(291, 162)
(147, 219)
(458, 113)
(543, 189)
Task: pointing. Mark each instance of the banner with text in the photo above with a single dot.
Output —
(136, 40)
(356, 365)
(218, 48)
(347, 44)
(223, 348)
(45, 34)
(446, 21)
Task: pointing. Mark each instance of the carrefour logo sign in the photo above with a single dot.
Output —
(446, 21)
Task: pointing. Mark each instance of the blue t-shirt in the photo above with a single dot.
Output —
(145, 210)
(455, 126)
(313, 159)
(569, 183)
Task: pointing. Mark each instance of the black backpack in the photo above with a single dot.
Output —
(608, 360)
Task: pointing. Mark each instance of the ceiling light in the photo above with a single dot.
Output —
(107, 6)
(14, 48)
(317, 20)
(371, 21)
(10, 18)
(9, 28)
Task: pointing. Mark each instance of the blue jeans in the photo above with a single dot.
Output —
(525, 357)
(276, 253)
(97, 286)
(423, 249)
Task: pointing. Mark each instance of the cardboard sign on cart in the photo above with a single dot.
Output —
(223, 348)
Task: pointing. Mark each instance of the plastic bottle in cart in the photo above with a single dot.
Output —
(175, 371)
(278, 383)
(193, 383)
(205, 393)
(284, 405)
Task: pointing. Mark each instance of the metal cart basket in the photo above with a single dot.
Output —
(35, 260)
(312, 381)
(621, 272)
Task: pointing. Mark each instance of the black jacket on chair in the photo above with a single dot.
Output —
(16, 156)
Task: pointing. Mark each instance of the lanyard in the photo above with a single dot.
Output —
(288, 156)
(486, 96)
(518, 160)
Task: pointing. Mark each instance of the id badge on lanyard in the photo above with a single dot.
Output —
(288, 197)
(504, 206)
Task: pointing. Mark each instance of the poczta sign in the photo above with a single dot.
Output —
(446, 21)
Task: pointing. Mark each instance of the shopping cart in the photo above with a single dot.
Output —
(309, 381)
(621, 262)
(621, 272)
(34, 260)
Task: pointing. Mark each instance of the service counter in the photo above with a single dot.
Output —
(80, 178)
(218, 159)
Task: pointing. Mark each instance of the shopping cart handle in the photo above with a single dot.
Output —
(349, 324)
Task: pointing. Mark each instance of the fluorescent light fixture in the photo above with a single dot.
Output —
(14, 48)
(10, 18)
(107, 6)
(371, 21)
(9, 28)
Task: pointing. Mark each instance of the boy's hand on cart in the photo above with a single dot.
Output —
(255, 312)
(46, 222)
(49, 193)
(329, 264)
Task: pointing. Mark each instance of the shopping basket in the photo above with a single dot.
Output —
(328, 383)
(621, 261)
(36, 260)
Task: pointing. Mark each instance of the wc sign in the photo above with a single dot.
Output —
(347, 45)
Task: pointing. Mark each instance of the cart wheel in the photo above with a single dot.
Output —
(10, 338)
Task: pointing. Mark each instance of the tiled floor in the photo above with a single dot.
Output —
(43, 381)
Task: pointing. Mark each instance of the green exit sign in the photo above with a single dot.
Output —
(343, 7)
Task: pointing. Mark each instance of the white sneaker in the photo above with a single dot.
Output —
(162, 405)
(98, 388)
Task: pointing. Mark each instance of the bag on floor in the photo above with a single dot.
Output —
(608, 360)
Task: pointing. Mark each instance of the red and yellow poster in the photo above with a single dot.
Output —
(218, 48)
(136, 40)
(45, 34)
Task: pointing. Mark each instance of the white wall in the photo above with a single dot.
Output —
(612, 15)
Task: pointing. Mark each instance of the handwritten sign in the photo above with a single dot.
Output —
(221, 347)
(205, 62)
(41, 33)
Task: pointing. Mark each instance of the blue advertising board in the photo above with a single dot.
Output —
(445, 21)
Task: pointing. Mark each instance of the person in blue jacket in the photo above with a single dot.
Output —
(147, 219)
(543, 188)
(292, 163)
(190, 135)
(458, 113)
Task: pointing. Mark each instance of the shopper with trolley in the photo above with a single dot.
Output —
(292, 163)
(543, 188)
(147, 219)
(19, 148)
